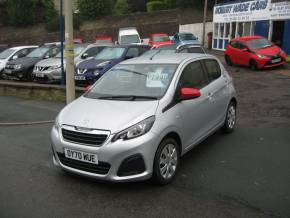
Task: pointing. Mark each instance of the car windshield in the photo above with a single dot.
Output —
(6, 53)
(110, 53)
(134, 82)
(187, 36)
(259, 43)
(128, 39)
(162, 38)
(38, 53)
(77, 50)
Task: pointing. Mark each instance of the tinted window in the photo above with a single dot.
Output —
(234, 44)
(192, 76)
(133, 52)
(94, 51)
(143, 49)
(22, 53)
(242, 46)
(196, 50)
(185, 50)
(213, 69)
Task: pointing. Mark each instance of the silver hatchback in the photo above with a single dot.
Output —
(142, 116)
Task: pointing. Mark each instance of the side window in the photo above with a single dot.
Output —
(30, 50)
(196, 50)
(184, 50)
(192, 76)
(242, 46)
(133, 52)
(22, 53)
(93, 51)
(234, 44)
(213, 69)
(52, 52)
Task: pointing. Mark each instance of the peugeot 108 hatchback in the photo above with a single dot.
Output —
(256, 52)
(142, 116)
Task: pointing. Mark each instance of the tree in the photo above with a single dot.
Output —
(51, 16)
(121, 7)
(91, 9)
(20, 13)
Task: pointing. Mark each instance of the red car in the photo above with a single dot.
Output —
(105, 39)
(78, 40)
(159, 39)
(254, 51)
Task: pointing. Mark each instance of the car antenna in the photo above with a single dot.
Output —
(155, 54)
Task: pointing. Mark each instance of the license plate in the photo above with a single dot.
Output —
(81, 156)
(39, 75)
(80, 78)
(8, 71)
(276, 60)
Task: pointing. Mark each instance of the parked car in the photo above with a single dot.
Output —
(78, 40)
(159, 39)
(175, 48)
(129, 35)
(50, 69)
(142, 116)
(104, 39)
(89, 71)
(255, 52)
(22, 68)
(13, 54)
(185, 38)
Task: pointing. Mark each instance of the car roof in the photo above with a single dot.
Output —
(248, 38)
(159, 34)
(22, 47)
(166, 59)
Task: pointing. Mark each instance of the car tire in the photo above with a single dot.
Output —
(231, 117)
(166, 161)
(253, 65)
(228, 60)
(29, 75)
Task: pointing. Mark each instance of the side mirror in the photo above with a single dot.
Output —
(88, 88)
(46, 57)
(14, 57)
(84, 56)
(129, 57)
(189, 93)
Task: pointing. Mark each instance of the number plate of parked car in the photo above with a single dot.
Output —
(81, 156)
(80, 78)
(276, 60)
(39, 75)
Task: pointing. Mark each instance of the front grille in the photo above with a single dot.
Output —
(84, 138)
(102, 168)
(40, 69)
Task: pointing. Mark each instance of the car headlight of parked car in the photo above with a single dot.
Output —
(17, 66)
(96, 72)
(261, 56)
(136, 130)
(55, 67)
(57, 124)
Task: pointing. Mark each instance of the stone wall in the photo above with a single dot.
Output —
(146, 23)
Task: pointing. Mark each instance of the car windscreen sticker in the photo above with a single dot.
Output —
(156, 79)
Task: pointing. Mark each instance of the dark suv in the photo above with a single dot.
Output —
(87, 72)
(22, 68)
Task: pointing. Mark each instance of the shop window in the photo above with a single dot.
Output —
(240, 29)
(228, 25)
(222, 27)
(216, 29)
(247, 29)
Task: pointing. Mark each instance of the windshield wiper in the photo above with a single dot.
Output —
(130, 71)
(129, 97)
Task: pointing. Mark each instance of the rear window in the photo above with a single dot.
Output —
(213, 69)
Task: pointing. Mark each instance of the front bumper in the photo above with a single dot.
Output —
(112, 154)
(12, 73)
(47, 75)
(268, 62)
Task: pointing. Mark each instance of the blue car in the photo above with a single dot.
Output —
(87, 72)
(185, 38)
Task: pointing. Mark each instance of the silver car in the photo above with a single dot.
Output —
(142, 116)
(50, 69)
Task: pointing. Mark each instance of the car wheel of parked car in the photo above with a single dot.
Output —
(253, 65)
(29, 75)
(231, 117)
(166, 161)
(228, 60)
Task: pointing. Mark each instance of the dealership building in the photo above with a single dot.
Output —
(268, 18)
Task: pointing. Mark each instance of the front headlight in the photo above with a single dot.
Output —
(17, 66)
(261, 56)
(96, 72)
(57, 124)
(137, 130)
(55, 67)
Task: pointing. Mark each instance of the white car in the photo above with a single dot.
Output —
(129, 35)
(13, 54)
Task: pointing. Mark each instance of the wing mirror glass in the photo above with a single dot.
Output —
(14, 57)
(84, 56)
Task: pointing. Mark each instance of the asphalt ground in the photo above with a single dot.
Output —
(243, 174)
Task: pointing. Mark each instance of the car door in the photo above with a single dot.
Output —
(217, 93)
(244, 58)
(193, 120)
(234, 51)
